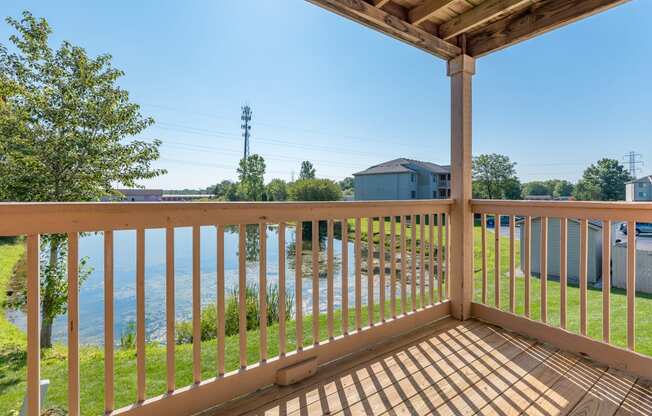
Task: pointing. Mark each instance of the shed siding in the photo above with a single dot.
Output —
(573, 261)
(643, 269)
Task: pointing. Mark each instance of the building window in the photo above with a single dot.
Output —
(641, 194)
(434, 194)
(412, 177)
(434, 179)
(414, 194)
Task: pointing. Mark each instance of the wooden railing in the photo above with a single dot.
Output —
(536, 221)
(423, 225)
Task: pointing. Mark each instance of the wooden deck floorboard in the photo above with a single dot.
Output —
(456, 369)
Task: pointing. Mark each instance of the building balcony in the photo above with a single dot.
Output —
(374, 325)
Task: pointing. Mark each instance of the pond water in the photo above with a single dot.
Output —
(91, 299)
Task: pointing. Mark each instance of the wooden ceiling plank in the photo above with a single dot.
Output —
(421, 13)
(370, 16)
(542, 17)
(380, 3)
(478, 15)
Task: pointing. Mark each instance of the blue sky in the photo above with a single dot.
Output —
(328, 90)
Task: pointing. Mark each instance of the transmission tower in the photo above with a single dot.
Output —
(246, 128)
(634, 159)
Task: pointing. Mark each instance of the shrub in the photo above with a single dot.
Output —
(184, 330)
(315, 190)
(128, 336)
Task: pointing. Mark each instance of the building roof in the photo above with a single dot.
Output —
(404, 165)
(644, 179)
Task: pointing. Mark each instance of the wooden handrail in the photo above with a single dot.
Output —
(62, 217)
(618, 211)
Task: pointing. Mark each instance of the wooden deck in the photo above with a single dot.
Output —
(454, 368)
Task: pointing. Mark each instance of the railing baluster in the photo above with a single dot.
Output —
(403, 266)
(631, 284)
(447, 260)
(140, 314)
(73, 324)
(370, 271)
(298, 283)
(381, 259)
(242, 294)
(606, 281)
(169, 308)
(431, 258)
(315, 282)
(525, 261)
(345, 275)
(262, 290)
(584, 242)
(440, 256)
(543, 269)
(358, 277)
(422, 259)
(221, 301)
(512, 263)
(329, 277)
(563, 271)
(282, 347)
(33, 326)
(109, 397)
(413, 261)
(196, 305)
(483, 243)
(392, 242)
(497, 261)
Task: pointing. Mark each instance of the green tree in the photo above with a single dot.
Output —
(494, 177)
(563, 189)
(251, 174)
(347, 183)
(536, 188)
(63, 122)
(603, 181)
(226, 191)
(307, 170)
(315, 190)
(277, 190)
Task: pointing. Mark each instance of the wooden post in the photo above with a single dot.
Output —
(461, 71)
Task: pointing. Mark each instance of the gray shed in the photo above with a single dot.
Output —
(643, 268)
(573, 266)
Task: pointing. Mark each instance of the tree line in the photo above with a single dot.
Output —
(494, 177)
(251, 185)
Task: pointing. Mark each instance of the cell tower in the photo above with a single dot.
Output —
(246, 128)
(634, 159)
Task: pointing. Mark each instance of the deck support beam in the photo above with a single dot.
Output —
(461, 71)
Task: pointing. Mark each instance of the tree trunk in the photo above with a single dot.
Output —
(46, 333)
(46, 324)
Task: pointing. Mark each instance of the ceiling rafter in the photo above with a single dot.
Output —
(391, 25)
(477, 16)
(535, 20)
(423, 12)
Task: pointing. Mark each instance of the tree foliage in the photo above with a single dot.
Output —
(536, 188)
(603, 181)
(226, 191)
(494, 177)
(277, 190)
(315, 190)
(63, 125)
(251, 175)
(307, 170)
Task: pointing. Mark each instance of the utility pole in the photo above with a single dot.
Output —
(246, 128)
(633, 159)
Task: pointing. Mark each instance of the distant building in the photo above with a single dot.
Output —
(137, 195)
(403, 179)
(639, 190)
